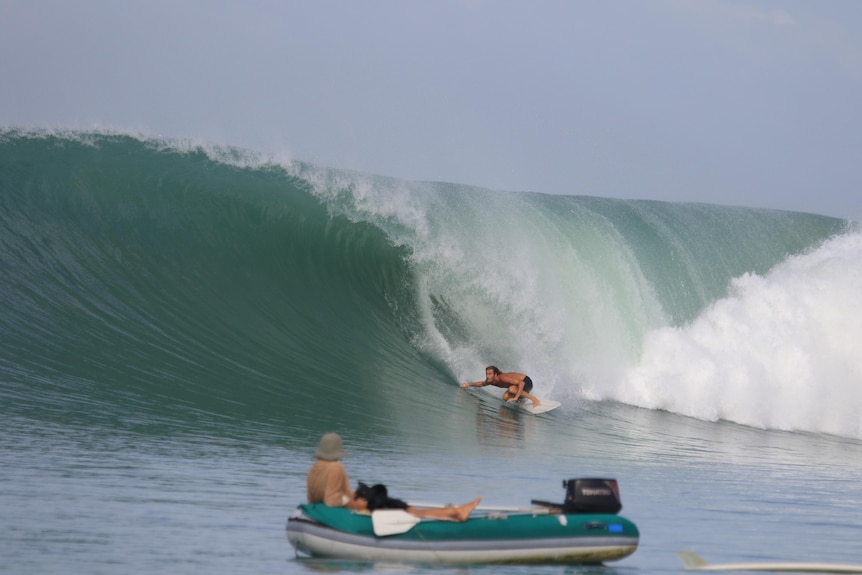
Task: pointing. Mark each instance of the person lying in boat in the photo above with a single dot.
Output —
(327, 481)
(517, 385)
(377, 497)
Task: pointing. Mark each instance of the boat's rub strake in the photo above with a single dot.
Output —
(513, 526)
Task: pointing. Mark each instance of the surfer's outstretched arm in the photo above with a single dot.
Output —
(474, 384)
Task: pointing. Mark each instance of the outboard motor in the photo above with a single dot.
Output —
(591, 496)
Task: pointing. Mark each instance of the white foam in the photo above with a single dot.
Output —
(522, 281)
(781, 353)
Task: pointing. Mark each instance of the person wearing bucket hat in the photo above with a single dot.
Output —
(330, 448)
(327, 480)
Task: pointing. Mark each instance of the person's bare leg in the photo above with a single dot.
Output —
(510, 393)
(532, 398)
(460, 513)
(513, 390)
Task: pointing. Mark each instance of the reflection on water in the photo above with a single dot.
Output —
(314, 566)
(498, 425)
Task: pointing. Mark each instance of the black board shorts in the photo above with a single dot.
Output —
(528, 384)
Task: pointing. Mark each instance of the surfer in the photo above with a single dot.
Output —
(517, 385)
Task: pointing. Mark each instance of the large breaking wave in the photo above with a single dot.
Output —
(149, 282)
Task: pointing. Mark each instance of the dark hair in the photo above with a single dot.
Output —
(377, 497)
(495, 369)
(363, 491)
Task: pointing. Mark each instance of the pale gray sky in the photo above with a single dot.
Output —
(743, 102)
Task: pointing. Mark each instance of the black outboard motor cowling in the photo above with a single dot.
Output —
(591, 496)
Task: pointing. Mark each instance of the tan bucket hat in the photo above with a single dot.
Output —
(330, 448)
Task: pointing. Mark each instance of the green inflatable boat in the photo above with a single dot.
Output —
(575, 532)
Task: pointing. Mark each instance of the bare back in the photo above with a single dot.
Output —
(509, 378)
(327, 483)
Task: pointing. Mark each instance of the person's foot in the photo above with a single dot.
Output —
(464, 511)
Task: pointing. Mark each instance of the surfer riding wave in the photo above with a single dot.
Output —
(517, 385)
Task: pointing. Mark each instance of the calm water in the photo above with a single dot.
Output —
(81, 501)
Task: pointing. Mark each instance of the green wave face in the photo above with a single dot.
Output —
(161, 287)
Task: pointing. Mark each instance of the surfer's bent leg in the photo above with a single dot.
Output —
(528, 387)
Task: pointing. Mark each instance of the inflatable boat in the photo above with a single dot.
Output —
(585, 529)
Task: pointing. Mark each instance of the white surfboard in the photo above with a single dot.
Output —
(524, 405)
(695, 562)
(545, 405)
